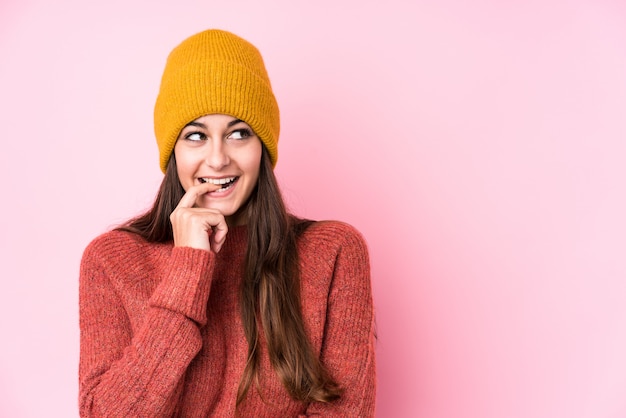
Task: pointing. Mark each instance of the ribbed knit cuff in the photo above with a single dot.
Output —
(186, 284)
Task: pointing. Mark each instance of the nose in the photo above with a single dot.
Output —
(216, 155)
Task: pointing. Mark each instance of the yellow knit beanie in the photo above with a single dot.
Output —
(215, 72)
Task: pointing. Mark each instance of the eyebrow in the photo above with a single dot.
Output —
(202, 125)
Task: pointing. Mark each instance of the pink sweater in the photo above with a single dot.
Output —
(161, 334)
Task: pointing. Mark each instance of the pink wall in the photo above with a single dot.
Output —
(480, 149)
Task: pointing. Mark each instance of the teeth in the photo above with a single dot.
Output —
(217, 181)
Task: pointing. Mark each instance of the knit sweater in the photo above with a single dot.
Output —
(161, 333)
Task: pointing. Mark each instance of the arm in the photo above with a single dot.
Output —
(348, 348)
(138, 372)
(126, 373)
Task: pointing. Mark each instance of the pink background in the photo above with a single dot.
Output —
(479, 146)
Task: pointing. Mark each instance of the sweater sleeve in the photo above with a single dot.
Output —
(348, 348)
(125, 372)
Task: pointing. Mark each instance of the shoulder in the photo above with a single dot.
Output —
(113, 245)
(333, 237)
(333, 231)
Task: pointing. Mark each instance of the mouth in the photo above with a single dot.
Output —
(224, 183)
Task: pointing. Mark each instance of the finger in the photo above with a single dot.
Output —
(189, 198)
(218, 235)
(198, 228)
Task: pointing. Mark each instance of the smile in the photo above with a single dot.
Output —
(226, 183)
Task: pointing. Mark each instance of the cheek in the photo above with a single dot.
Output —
(184, 168)
(252, 169)
(253, 161)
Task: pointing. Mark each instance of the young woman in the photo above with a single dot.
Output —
(217, 301)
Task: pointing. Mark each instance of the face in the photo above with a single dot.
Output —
(219, 149)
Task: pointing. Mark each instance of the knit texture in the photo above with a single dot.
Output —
(215, 72)
(161, 334)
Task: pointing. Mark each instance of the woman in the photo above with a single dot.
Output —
(216, 301)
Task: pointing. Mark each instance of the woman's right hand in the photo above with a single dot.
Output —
(195, 227)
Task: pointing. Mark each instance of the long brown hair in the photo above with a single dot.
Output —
(270, 291)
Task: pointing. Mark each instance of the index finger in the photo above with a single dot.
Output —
(189, 198)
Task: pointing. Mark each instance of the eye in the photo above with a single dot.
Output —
(240, 134)
(195, 136)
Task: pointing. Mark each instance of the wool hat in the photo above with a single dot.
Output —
(215, 71)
